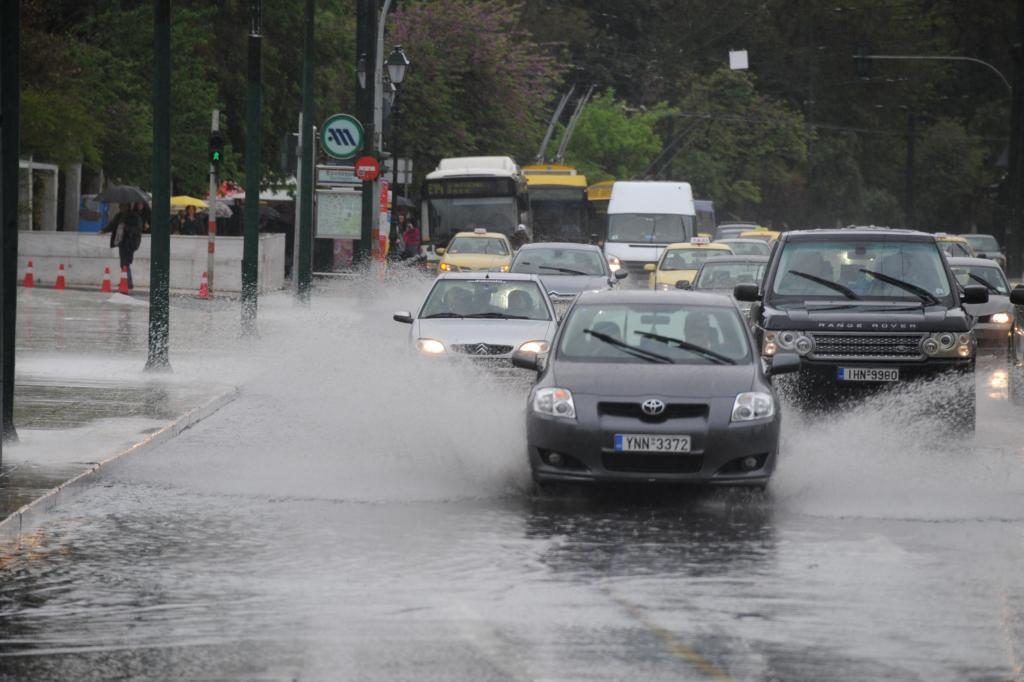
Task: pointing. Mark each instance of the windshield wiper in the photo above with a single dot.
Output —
(988, 285)
(632, 350)
(435, 315)
(834, 286)
(566, 271)
(686, 345)
(498, 316)
(926, 296)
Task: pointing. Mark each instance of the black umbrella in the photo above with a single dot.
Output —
(269, 213)
(123, 194)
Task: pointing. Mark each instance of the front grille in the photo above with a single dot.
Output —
(481, 349)
(672, 411)
(652, 464)
(867, 346)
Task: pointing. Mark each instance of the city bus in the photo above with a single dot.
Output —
(466, 193)
(558, 203)
(598, 196)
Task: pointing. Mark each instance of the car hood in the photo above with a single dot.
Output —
(500, 332)
(632, 380)
(996, 304)
(867, 319)
(573, 284)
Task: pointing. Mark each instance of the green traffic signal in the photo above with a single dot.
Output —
(216, 146)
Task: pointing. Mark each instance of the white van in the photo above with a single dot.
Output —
(643, 217)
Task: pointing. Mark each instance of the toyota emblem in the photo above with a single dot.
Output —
(652, 407)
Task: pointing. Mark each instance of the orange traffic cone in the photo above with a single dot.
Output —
(59, 284)
(30, 278)
(204, 288)
(105, 287)
(122, 287)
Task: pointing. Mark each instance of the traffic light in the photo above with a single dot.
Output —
(216, 147)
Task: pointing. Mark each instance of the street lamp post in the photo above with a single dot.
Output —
(398, 62)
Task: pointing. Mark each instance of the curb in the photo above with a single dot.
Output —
(20, 521)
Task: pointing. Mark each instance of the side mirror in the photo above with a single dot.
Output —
(524, 359)
(621, 274)
(440, 251)
(746, 292)
(1017, 295)
(982, 255)
(650, 267)
(403, 317)
(683, 284)
(784, 363)
(974, 293)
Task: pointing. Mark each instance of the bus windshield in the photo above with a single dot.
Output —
(465, 214)
(651, 228)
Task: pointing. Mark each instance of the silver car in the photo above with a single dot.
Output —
(482, 317)
(644, 386)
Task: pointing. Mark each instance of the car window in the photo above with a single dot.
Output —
(689, 259)
(849, 264)
(488, 246)
(956, 250)
(715, 328)
(485, 298)
(727, 275)
(752, 248)
(559, 261)
(982, 242)
(982, 275)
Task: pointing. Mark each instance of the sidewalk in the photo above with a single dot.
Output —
(82, 399)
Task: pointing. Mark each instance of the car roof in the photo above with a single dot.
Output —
(495, 235)
(560, 245)
(740, 240)
(687, 245)
(735, 259)
(949, 238)
(677, 297)
(974, 262)
(497, 276)
(858, 232)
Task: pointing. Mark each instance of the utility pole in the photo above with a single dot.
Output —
(908, 202)
(366, 48)
(216, 156)
(305, 241)
(160, 238)
(253, 175)
(10, 102)
(1015, 231)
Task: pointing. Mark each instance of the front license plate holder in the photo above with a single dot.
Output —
(873, 374)
(649, 442)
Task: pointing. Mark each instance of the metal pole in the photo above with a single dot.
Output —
(397, 241)
(908, 205)
(378, 104)
(10, 102)
(211, 214)
(366, 19)
(305, 242)
(251, 240)
(298, 209)
(1015, 231)
(942, 58)
(160, 231)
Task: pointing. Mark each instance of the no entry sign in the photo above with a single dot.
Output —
(367, 168)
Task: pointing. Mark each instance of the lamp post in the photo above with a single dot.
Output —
(397, 65)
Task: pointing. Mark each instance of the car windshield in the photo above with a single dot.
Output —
(955, 249)
(644, 332)
(486, 298)
(484, 246)
(728, 232)
(727, 275)
(861, 269)
(559, 261)
(985, 243)
(689, 259)
(990, 277)
(654, 228)
(749, 248)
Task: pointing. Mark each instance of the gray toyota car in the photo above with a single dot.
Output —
(645, 386)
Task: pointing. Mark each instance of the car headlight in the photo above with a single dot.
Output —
(665, 287)
(504, 268)
(751, 406)
(948, 344)
(445, 267)
(788, 340)
(539, 346)
(556, 402)
(1001, 318)
(430, 346)
(614, 264)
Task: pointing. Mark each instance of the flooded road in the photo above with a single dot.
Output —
(358, 515)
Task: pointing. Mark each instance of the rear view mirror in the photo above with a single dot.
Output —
(524, 359)
(439, 252)
(650, 267)
(974, 293)
(621, 274)
(784, 363)
(403, 317)
(1017, 295)
(683, 284)
(745, 292)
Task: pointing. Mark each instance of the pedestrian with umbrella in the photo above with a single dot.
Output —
(125, 230)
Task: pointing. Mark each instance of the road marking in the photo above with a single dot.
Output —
(674, 645)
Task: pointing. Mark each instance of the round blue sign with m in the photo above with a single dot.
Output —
(342, 137)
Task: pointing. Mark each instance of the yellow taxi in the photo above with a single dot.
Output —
(762, 233)
(476, 250)
(681, 261)
(954, 245)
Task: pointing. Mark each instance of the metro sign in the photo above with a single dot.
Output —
(342, 136)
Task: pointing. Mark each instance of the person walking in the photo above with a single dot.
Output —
(410, 238)
(192, 225)
(125, 230)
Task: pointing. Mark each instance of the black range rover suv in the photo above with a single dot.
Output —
(867, 308)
